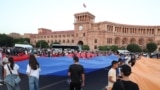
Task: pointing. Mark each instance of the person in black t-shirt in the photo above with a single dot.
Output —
(125, 83)
(76, 74)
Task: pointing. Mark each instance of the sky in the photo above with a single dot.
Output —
(26, 16)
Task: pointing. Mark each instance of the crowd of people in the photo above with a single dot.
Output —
(50, 52)
(9, 74)
(118, 76)
(75, 72)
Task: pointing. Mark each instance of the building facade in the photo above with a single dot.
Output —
(88, 32)
(15, 35)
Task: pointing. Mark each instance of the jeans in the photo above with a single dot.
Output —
(33, 83)
(75, 86)
(13, 88)
(1, 73)
(10, 79)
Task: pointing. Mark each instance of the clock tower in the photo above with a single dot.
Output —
(83, 21)
(82, 24)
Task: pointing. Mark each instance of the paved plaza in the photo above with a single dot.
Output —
(94, 81)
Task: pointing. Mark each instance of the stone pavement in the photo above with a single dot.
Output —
(94, 81)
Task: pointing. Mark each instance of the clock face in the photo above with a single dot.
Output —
(80, 27)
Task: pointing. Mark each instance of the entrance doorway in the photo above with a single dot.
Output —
(80, 43)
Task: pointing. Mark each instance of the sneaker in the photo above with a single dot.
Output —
(68, 81)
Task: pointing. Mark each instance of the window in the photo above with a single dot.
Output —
(152, 31)
(63, 41)
(158, 31)
(67, 41)
(109, 40)
(64, 36)
(72, 35)
(59, 41)
(95, 47)
(72, 41)
(47, 36)
(83, 34)
(95, 41)
(55, 36)
(116, 29)
(76, 34)
(123, 30)
(109, 28)
(59, 35)
(51, 36)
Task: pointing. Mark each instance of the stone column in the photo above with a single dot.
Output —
(113, 29)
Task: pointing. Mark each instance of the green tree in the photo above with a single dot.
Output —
(145, 50)
(114, 48)
(122, 48)
(133, 48)
(151, 47)
(42, 44)
(85, 47)
(27, 40)
(104, 48)
(22, 40)
(6, 40)
(101, 48)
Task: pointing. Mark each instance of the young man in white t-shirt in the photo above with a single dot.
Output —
(112, 75)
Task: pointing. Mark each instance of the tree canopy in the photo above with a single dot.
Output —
(114, 48)
(22, 41)
(42, 44)
(151, 47)
(134, 48)
(107, 48)
(85, 47)
(6, 40)
(103, 48)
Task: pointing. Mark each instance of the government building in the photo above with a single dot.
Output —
(88, 32)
